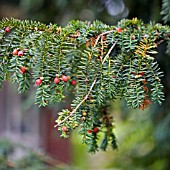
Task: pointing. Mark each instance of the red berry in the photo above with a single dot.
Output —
(64, 129)
(7, 29)
(89, 131)
(15, 52)
(56, 80)
(20, 53)
(95, 129)
(142, 74)
(64, 78)
(133, 37)
(134, 73)
(113, 76)
(22, 69)
(119, 30)
(38, 82)
(73, 82)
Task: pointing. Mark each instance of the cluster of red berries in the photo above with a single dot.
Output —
(18, 52)
(141, 73)
(95, 130)
(64, 78)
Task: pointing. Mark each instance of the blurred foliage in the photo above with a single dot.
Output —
(144, 145)
(131, 62)
(31, 160)
(165, 10)
(62, 11)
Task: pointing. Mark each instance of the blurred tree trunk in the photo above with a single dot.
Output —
(50, 139)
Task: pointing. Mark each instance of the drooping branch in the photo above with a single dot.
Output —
(101, 62)
(84, 99)
(87, 95)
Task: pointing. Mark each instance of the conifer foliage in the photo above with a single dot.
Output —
(165, 10)
(96, 62)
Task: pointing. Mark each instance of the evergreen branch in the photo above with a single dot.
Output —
(84, 99)
(91, 87)
(165, 11)
(58, 59)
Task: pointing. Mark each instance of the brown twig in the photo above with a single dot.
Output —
(108, 53)
(100, 35)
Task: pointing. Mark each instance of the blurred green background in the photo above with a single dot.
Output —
(143, 136)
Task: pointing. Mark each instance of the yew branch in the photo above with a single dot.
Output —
(85, 98)
(91, 87)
